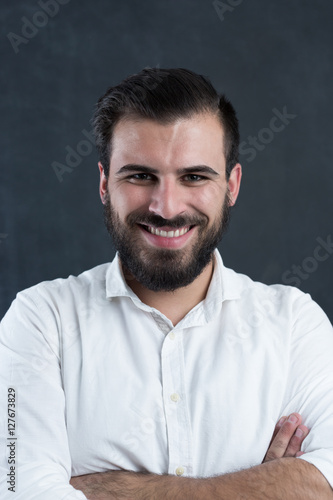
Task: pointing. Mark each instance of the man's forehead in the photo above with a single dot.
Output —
(197, 138)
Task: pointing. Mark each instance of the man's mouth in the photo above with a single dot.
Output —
(166, 233)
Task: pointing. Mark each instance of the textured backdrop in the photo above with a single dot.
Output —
(273, 59)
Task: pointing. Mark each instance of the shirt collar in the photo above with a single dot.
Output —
(225, 285)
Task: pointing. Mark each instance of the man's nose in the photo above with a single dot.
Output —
(167, 199)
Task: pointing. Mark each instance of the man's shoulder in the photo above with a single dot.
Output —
(275, 299)
(245, 285)
(61, 290)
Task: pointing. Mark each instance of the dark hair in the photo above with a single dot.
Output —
(164, 95)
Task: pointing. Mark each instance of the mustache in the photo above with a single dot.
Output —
(158, 221)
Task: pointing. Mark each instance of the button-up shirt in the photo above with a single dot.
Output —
(103, 382)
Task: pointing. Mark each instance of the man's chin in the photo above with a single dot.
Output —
(163, 270)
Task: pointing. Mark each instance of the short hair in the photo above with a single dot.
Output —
(164, 95)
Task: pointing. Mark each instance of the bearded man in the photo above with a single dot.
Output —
(162, 374)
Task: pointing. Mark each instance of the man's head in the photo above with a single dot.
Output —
(164, 181)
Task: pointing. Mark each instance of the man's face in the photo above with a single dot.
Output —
(167, 199)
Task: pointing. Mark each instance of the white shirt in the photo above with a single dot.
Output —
(105, 382)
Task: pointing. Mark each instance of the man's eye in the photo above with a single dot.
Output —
(194, 178)
(141, 177)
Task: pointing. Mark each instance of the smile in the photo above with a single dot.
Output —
(167, 234)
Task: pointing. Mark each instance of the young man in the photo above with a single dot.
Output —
(165, 363)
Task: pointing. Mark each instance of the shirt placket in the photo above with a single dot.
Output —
(175, 405)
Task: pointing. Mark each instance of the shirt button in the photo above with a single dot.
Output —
(180, 471)
(175, 397)
(172, 335)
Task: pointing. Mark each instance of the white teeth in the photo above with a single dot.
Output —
(168, 234)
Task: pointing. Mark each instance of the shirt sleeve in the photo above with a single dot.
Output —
(35, 460)
(309, 386)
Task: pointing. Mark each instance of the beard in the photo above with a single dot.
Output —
(161, 269)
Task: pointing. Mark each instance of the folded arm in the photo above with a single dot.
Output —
(280, 476)
(286, 478)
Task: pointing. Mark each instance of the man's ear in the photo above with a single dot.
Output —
(234, 183)
(103, 183)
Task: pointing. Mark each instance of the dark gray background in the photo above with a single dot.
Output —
(264, 55)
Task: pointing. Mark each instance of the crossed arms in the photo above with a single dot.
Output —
(280, 476)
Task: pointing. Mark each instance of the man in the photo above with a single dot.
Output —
(164, 363)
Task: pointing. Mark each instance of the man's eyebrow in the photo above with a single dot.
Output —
(132, 167)
(202, 169)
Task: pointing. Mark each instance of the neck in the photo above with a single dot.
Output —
(175, 305)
